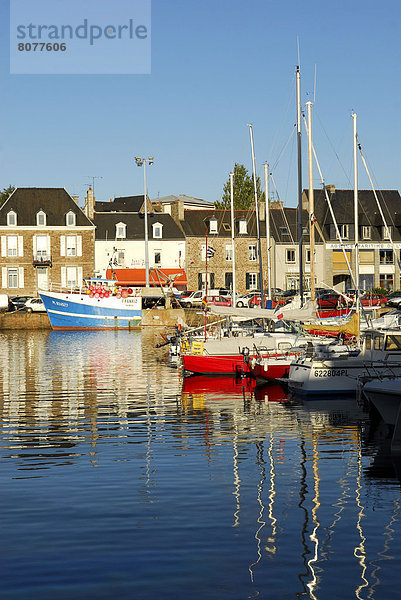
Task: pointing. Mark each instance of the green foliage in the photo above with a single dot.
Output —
(244, 193)
(379, 290)
(4, 194)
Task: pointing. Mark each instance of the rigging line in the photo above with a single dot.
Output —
(333, 148)
(388, 232)
(332, 212)
(284, 147)
(283, 212)
(380, 192)
(285, 119)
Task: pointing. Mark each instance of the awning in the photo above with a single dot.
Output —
(157, 277)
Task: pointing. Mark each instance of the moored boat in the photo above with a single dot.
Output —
(102, 307)
(337, 369)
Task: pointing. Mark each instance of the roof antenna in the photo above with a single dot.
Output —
(93, 177)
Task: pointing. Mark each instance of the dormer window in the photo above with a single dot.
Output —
(242, 226)
(344, 232)
(41, 218)
(70, 219)
(121, 231)
(12, 218)
(213, 225)
(387, 232)
(157, 230)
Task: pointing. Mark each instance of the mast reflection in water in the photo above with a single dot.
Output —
(119, 479)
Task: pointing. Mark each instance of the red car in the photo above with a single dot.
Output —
(219, 301)
(370, 299)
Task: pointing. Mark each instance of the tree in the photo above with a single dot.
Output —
(244, 193)
(4, 194)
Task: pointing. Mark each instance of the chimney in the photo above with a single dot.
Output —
(76, 199)
(89, 204)
(262, 211)
(330, 188)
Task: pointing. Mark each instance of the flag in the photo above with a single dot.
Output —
(210, 252)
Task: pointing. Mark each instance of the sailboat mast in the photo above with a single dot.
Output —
(300, 228)
(356, 223)
(269, 268)
(232, 235)
(311, 203)
(262, 295)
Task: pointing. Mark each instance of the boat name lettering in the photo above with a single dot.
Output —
(59, 303)
(330, 372)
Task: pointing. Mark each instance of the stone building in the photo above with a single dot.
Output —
(45, 239)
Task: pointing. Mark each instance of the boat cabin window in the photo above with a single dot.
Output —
(393, 342)
(368, 342)
(378, 342)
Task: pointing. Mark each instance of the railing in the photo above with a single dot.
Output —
(42, 260)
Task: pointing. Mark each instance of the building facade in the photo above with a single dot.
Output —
(46, 239)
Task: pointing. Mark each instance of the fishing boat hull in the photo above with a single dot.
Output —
(74, 311)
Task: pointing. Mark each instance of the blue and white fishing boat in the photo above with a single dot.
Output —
(99, 305)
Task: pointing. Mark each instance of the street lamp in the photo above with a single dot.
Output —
(139, 162)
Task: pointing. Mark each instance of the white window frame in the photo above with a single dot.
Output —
(121, 231)
(12, 249)
(288, 258)
(253, 281)
(11, 274)
(70, 219)
(366, 232)
(253, 252)
(71, 245)
(344, 231)
(229, 252)
(157, 230)
(213, 226)
(40, 214)
(12, 218)
(242, 226)
(387, 232)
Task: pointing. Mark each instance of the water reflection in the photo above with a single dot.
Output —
(203, 484)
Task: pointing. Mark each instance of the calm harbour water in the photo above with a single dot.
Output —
(119, 480)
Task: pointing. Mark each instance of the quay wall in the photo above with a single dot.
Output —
(150, 318)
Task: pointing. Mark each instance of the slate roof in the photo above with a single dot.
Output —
(342, 202)
(55, 202)
(135, 222)
(121, 204)
(195, 221)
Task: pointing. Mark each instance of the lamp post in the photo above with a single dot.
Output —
(139, 162)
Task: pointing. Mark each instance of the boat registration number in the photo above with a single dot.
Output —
(330, 372)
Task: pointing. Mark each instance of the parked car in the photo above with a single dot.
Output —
(394, 299)
(219, 301)
(19, 301)
(195, 299)
(244, 299)
(35, 305)
(370, 299)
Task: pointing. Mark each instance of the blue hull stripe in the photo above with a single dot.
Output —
(66, 314)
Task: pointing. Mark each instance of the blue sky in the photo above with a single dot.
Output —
(216, 66)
